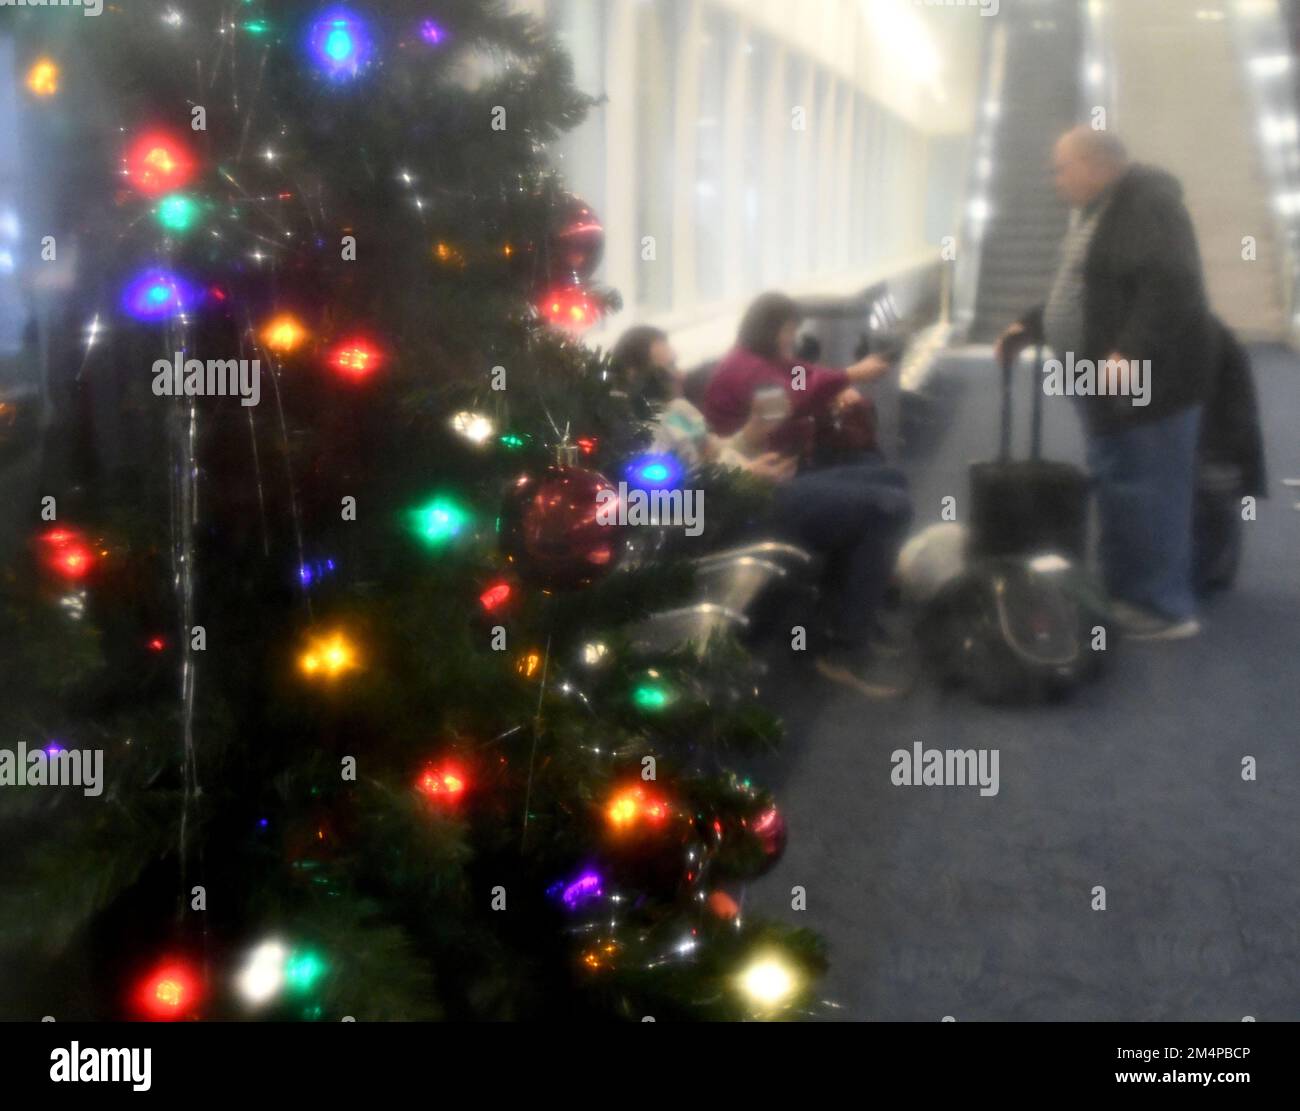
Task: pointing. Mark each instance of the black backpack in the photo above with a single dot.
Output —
(1017, 629)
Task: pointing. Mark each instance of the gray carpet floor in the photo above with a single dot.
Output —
(937, 901)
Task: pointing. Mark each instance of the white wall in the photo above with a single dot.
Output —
(756, 144)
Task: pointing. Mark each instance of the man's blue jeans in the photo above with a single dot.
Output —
(1146, 486)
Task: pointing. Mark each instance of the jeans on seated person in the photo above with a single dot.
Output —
(855, 517)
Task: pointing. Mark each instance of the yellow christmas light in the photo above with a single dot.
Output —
(43, 78)
(328, 657)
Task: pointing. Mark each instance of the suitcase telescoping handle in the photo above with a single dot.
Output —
(1036, 427)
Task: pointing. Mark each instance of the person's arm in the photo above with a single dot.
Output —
(728, 398)
(769, 465)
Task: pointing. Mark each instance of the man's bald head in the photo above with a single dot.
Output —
(1086, 163)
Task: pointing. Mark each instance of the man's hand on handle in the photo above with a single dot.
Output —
(1010, 344)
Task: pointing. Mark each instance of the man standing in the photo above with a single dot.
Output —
(1129, 292)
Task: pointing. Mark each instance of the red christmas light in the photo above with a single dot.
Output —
(356, 358)
(65, 552)
(171, 991)
(570, 307)
(156, 163)
(445, 783)
(495, 596)
(74, 561)
(588, 444)
(156, 644)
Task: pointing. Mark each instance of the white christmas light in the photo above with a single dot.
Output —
(768, 981)
(263, 975)
(475, 427)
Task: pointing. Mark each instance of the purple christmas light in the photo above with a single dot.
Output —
(573, 894)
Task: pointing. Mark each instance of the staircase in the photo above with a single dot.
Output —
(1040, 100)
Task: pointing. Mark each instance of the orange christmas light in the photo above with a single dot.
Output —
(631, 807)
(284, 334)
(448, 255)
(329, 657)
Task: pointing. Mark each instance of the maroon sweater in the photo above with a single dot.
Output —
(741, 374)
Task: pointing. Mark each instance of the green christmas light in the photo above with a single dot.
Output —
(512, 442)
(257, 26)
(651, 696)
(440, 521)
(303, 969)
(178, 212)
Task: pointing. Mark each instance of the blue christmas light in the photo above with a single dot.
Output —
(158, 295)
(341, 44)
(314, 570)
(653, 472)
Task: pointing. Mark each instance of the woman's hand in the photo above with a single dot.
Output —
(846, 399)
(774, 467)
(869, 369)
(752, 438)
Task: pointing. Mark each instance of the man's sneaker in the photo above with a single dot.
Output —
(878, 678)
(1140, 624)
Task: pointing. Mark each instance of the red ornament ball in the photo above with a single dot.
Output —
(552, 530)
(770, 830)
(579, 244)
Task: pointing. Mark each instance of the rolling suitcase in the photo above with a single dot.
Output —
(1023, 507)
(1216, 527)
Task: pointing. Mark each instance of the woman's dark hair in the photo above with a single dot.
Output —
(632, 352)
(763, 322)
(631, 358)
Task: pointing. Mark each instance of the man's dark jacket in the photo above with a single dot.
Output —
(1144, 297)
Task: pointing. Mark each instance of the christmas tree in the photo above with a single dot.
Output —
(377, 740)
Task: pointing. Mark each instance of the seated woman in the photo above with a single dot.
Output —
(763, 365)
(644, 354)
(854, 517)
